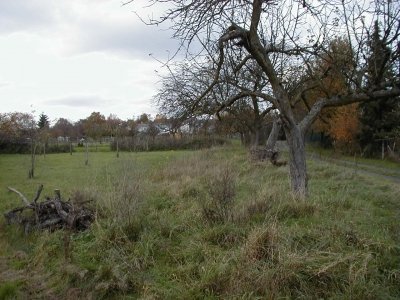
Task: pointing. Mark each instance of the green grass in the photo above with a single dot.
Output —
(372, 162)
(8, 290)
(157, 237)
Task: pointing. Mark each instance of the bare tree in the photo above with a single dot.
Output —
(284, 38)
(238, 93)
(114, 124)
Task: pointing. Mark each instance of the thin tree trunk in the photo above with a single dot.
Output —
(117, 148)
(31, 172)
(297, 161)
(87, 154)
(256, 137)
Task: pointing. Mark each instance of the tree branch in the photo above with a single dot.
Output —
(23, 198)
(344, 100)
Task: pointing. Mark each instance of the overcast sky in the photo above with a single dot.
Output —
(68, 58)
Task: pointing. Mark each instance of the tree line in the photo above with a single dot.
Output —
(18, 131)
(21, 127)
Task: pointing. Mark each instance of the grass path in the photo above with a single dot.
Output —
(361, 168)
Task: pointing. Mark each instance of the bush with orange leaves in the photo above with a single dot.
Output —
(344, 128)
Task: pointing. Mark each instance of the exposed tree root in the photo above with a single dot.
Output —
(263, 153)
(50, 214)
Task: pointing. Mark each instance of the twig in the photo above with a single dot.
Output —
(57, 192)
(38, 193)
(24, 199)
(34, 202)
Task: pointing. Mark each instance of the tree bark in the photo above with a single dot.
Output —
(31, 172)
(86, 154)
(297, 161)
(255, 137)
(273, 136)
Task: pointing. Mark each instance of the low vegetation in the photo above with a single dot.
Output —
(168, 142)
(202, 224)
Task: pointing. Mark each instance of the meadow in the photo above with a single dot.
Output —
(206, 224)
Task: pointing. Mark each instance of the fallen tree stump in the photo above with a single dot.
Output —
(50, 214)
(263, 153)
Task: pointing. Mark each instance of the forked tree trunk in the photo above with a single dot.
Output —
(297, 161)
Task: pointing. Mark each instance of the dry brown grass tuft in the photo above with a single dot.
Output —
(262, 244)
(251, 209)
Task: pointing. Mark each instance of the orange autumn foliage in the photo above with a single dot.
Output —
(332, 71)
(344, 127)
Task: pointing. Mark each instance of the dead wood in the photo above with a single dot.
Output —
(22, 196)
(263, 154)
(50, 214)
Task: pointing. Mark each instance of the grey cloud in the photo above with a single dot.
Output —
(79, 101)
(22, 15)
(131, 39)
(4, 84)
(89, 32)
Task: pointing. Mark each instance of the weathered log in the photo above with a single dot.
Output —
(50, 223)
(263, 154)
(50, 214)
(68, 218)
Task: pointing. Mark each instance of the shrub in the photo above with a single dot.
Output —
(24, 147)
(221, 187)
(10, 147)
(58, 148)
(160, 143)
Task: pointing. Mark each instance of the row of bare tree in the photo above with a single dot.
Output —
(290, 59)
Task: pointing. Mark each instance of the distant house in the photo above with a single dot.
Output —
(197, 125)
(62, 139)
(163, 128)
(186, 128)
(142, 128)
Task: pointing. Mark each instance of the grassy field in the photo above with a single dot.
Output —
(202, 224)
(384, 166)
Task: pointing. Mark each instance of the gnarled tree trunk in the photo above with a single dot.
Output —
(297, 161)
